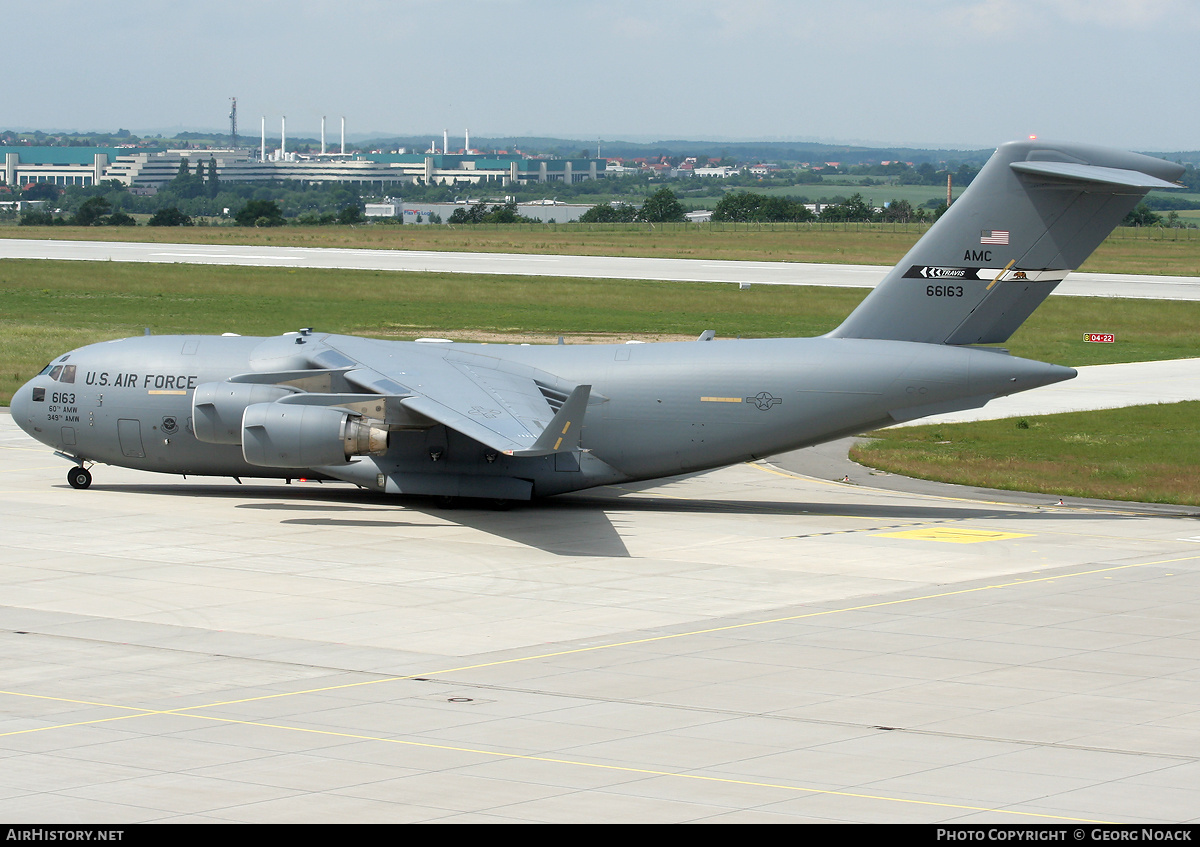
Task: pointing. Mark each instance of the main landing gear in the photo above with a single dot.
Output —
(79, 477)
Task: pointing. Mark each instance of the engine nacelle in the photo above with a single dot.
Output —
(217, 408)
(282, 435)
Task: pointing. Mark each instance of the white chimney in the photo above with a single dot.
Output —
(322, 135)
(262, 156)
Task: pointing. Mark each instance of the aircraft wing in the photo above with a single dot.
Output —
(505, 411)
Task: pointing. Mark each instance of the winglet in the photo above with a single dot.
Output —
(561, 435)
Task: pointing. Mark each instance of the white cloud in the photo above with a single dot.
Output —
(1034, 17)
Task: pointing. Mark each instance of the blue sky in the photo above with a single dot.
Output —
(952, 73)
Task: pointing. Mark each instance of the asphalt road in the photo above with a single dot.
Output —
(747, 645)
(600, 267)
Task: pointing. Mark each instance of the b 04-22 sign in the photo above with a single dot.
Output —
(1100, 337)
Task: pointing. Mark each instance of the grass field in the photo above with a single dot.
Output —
(1191, 216)
(769, 242)
(47, 308)
(876, 195)
(1145, 251)
(1149, 454)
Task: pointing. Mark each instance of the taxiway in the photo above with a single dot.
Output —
(598, 267)
(745, 645)
(754, 644)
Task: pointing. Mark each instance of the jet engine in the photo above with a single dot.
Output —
(217, 408)
(284, 435)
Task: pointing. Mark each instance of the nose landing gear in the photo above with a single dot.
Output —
(79, 477)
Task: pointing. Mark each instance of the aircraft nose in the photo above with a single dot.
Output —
(21, 405)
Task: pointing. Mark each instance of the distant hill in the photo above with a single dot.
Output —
(740, 151)
(1186, 157)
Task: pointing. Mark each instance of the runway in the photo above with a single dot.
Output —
(598, 267)
(748, 645)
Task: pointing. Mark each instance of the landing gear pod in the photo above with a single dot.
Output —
(217, 408)
(275, 435)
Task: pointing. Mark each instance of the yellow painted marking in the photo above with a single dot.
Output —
(720, 399)
(635, 641)
(166, 391)
(556, 443)
(628, 769)
(952, 535)
(189, 711)
(565, 428)
(551, 760)
(1002, 273)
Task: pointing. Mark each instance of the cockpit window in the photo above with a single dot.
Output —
(55, 371)
(46, 369)
(68, 374)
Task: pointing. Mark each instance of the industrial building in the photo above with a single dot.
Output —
(546, 211)
(58, 165)
(150, 168)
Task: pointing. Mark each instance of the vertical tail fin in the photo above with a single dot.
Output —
(1034, 213)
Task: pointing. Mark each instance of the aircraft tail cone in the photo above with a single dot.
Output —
(1002, 375)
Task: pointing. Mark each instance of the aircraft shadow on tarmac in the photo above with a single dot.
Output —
(568, 525)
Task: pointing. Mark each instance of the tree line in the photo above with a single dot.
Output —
(660, 207)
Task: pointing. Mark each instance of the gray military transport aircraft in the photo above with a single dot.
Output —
(513, 422)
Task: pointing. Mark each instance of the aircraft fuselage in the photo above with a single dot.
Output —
(655, 409)
(515, 421)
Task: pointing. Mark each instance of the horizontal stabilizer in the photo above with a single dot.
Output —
(1090, 173)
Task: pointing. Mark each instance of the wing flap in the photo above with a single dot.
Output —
(469, 426)
(468, 393)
